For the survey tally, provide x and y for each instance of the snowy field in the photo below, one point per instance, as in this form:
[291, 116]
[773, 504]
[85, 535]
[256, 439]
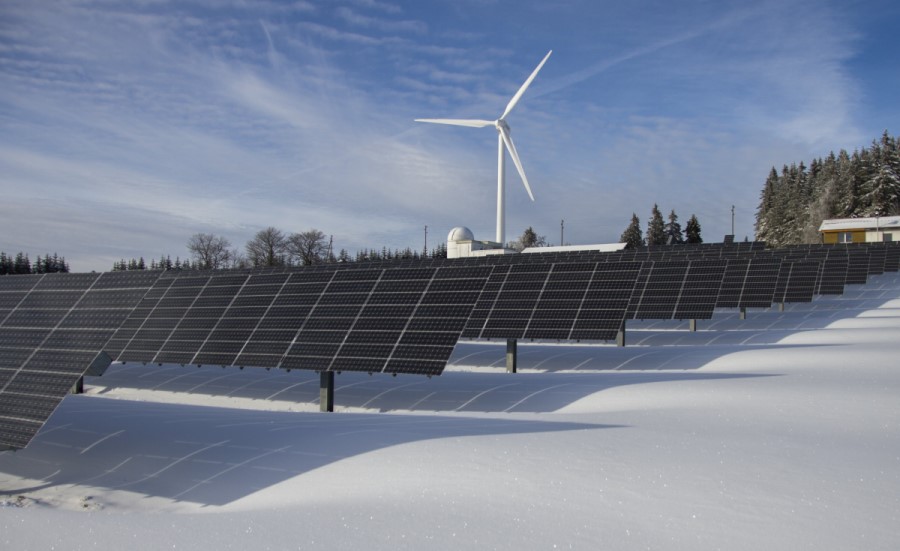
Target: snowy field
[781, 431]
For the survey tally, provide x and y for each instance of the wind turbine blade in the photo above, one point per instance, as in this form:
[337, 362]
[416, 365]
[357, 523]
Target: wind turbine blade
[515, 99]
[459, 122]
[507, 139]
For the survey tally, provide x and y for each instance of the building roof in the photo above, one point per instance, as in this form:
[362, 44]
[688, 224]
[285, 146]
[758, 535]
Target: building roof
[603, 247]
[848, 224]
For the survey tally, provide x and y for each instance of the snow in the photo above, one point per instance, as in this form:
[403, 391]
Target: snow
[781, 431]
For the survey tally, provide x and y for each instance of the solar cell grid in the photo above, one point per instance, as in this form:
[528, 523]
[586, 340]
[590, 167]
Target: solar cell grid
[891, 256]
[857, 265]
[801, 286]
[876, 259]
[834, 273]
[699, 292]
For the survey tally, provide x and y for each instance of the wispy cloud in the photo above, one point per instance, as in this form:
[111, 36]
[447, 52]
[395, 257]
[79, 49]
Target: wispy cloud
[380, 23]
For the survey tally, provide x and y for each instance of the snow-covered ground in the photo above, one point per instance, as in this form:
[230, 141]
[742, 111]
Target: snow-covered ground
[781, 431]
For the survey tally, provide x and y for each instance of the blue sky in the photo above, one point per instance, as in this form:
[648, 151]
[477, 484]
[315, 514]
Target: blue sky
[127, 127]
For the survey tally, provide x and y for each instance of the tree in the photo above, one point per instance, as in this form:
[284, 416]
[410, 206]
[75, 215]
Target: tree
[210, 252]
[766, 205]
[881, 190]
[267, 248]
[21, 265]
[529, 238]
[673, 229]
[309, 247]
[632, 236]
[656, 229]
[440, 251]
[692, 231]
[236, 259]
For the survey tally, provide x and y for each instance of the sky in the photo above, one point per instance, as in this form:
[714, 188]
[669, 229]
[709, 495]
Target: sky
[127, 127]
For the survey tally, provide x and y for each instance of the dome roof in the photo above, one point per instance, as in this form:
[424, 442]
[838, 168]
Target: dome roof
[461, 233]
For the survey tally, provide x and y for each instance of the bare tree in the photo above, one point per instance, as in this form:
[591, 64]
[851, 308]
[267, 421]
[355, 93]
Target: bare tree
[267, 248]
[309, 247]
[236, 259]
[210, 252]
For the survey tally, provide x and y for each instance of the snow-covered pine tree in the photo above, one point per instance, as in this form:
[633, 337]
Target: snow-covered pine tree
[881, 190]
[766, 203]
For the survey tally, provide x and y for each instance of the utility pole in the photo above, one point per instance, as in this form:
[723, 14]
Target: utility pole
[732, 219]
[425, 250]
[562, 227]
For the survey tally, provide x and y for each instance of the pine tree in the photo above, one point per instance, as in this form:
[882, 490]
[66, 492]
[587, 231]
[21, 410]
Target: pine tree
[673, 230]
[692, 231]
[632, 236]
[656, 229]
[766, 202]
[881, 190]
[440, 251]
[22, 264]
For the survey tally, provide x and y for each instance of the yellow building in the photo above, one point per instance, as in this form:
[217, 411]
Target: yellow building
[860, 230]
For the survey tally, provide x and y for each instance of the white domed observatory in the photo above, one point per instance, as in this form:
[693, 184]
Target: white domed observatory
[461, 243]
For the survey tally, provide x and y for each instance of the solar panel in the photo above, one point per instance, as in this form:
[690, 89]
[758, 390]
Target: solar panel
[53, 328]
[834, 272]
[876, 258]
[891, 257]
[797, 281]
[858, 265]
[605, 303]
[396, 320]
[657, 294]
[697, 299]
[560, 301]
[749, 282]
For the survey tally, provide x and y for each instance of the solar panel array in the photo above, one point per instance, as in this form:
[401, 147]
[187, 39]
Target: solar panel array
[392, 317]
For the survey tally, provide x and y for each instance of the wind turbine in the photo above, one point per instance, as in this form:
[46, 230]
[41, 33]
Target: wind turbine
[504, 143]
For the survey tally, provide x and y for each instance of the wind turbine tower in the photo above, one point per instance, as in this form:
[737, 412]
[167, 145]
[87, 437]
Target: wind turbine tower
[504, 144]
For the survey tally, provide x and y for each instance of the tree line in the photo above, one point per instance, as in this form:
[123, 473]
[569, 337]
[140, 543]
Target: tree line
[660, 232]
[270, 247]
[21, 264]
[794, 202]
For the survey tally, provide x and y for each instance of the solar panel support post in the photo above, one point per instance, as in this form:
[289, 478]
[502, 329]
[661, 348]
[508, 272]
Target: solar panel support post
[511, 355]
[78, 387]
[692, 325]
[781, 307]
[743, 314]
[326, 391]
[620, 335]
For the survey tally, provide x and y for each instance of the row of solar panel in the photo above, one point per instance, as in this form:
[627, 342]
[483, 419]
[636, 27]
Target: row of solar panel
[379, 318]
